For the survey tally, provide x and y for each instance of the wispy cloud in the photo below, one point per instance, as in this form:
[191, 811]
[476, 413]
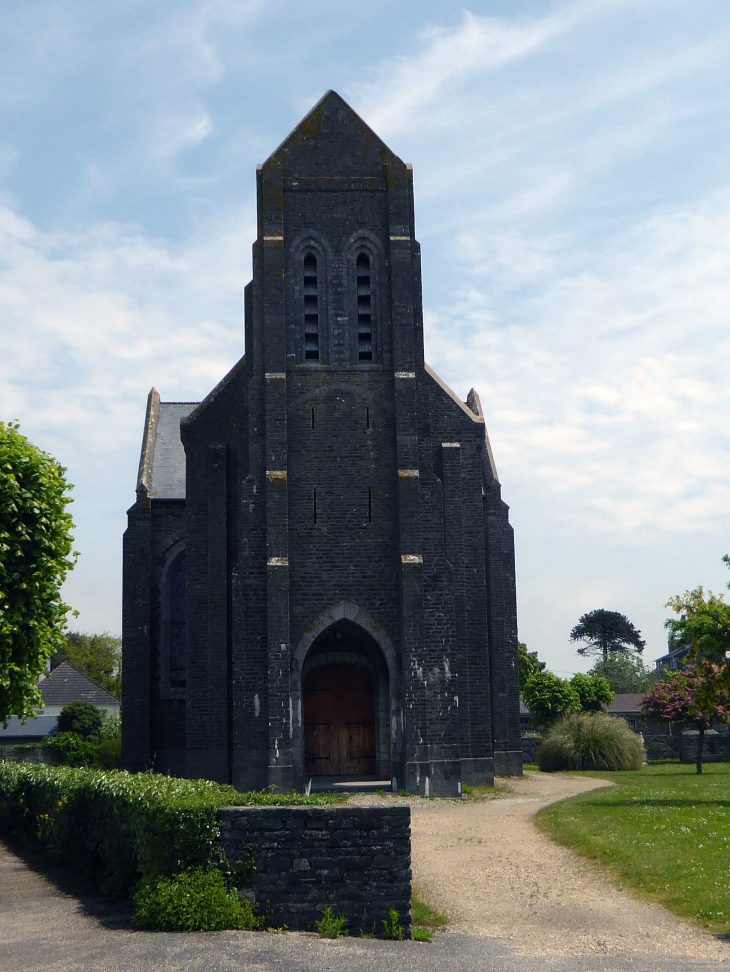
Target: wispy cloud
[411, 87]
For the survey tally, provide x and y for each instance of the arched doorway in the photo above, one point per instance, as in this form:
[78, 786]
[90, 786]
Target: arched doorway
[339, 721]
[342, 706]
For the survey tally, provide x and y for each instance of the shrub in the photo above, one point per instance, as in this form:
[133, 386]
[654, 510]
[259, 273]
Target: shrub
[108, 753]
[331, 925]
[70, 749]
[590, 741]
[594, 692]
[81, 717]
[548, 697]
[196, 900]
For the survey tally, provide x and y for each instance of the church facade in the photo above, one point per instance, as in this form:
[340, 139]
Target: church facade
[319, 568]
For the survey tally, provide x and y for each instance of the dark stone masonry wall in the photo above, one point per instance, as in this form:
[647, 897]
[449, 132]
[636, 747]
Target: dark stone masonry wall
[28, 754]
[356, 860]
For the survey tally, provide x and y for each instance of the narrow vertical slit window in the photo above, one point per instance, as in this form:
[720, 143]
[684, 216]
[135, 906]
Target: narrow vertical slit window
[311, 308]
[314, 506]
[312, 418]
[364, 309]
[370, 506]
[178, 628]
[367, 418]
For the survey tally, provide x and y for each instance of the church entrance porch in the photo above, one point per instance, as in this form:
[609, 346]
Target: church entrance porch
[339, 721]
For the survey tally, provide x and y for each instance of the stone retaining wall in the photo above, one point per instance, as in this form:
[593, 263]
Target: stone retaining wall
[356, 860]
[25, 753]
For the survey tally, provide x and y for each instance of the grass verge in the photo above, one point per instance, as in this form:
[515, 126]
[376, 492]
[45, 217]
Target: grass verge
[501, 788]
[663, 831]
[426, 920]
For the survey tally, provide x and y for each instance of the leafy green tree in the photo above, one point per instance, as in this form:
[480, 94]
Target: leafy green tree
[82, 718]
[593, 691]
[696, 694]
[35, 556]
[606, 633]
[624, 673]
[98, 656]
[548, 697]
[530, 665]
[703, 625]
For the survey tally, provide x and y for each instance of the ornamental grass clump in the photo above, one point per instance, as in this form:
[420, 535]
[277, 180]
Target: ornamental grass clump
[590, 741]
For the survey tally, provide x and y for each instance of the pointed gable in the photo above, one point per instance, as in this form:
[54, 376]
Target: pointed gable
[332, 136]
[65, 684]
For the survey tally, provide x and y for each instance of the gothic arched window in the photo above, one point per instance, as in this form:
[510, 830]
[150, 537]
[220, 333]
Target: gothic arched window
[311, 308]
[364, 309]
[178, 633]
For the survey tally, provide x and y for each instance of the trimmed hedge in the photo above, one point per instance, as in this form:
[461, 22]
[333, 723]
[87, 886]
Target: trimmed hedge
[123, 828]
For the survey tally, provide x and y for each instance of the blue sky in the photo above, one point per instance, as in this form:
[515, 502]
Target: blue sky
[573, 206]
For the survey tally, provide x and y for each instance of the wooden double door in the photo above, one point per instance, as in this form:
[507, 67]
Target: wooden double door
[339, 721]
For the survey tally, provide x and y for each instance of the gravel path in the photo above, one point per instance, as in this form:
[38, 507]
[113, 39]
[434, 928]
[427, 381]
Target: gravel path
[490, 869]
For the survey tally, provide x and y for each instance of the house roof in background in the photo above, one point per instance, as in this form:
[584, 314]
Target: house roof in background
[65, 685]
[43, 725]
[626, 702]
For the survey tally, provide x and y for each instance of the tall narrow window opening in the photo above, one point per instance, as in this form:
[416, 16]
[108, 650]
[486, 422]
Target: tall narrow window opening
[312, 418]
[367, 418]
[370, 506]
[178, 628]
[314, 506]
[311, 309]
[364, 309]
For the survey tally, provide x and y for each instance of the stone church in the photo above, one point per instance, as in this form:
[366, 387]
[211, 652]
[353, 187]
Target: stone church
[319, 568]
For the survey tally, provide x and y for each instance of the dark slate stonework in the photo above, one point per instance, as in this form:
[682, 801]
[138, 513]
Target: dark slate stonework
[355, 860]
[315, 499]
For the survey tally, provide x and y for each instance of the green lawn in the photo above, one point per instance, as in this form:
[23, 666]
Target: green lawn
[664, 831]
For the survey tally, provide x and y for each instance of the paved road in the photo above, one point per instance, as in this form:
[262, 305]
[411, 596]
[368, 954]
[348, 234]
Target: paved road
[51, 922]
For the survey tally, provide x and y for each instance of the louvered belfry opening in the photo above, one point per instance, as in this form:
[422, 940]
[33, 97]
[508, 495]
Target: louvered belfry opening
[364, 309]
[311, 309]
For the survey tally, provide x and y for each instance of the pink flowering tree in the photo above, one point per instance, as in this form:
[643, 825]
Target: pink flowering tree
[696, 695]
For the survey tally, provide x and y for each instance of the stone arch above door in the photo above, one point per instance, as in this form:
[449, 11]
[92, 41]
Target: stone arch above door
[347, 611]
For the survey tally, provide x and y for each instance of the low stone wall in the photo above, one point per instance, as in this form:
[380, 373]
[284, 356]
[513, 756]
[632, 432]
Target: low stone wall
[27, 753]
[715, 749]
[529, 747]
[356, 860]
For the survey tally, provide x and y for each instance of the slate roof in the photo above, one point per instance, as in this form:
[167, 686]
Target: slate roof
[162, 463]
[65, 685]
[43, 725]
[623, 703]
[626, 702]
